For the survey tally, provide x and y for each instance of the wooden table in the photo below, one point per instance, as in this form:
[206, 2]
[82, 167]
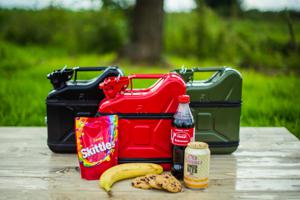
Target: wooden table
[266, 166]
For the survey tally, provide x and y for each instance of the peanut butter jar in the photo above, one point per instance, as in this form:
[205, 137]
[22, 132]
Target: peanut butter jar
[196, 165]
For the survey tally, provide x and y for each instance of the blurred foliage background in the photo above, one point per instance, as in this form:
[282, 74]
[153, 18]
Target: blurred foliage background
[264, 46]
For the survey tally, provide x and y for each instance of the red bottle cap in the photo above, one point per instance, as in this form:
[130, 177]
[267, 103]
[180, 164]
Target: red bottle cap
[184, 99]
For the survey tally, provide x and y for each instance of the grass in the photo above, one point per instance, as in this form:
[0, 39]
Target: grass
[261, 42]
[250, 40]
[268, 100]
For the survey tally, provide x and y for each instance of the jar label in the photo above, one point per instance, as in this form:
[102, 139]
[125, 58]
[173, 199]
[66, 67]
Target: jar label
[181, 136]
[196, 170]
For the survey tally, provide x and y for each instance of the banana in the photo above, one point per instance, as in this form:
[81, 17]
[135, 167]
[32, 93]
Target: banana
[125, 171]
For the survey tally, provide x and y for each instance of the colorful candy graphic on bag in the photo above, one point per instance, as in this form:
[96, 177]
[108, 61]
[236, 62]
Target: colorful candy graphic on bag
[96, 140]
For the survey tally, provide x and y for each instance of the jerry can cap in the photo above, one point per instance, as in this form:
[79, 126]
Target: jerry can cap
[184, 99]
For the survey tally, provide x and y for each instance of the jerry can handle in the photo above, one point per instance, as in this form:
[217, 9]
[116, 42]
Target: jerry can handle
[87, 69]
[218, 70]
[144, 76]
[208, 69]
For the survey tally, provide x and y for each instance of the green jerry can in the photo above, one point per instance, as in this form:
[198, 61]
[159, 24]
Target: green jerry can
[216, 106]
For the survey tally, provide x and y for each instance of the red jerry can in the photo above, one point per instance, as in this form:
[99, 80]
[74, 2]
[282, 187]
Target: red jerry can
[145, 115]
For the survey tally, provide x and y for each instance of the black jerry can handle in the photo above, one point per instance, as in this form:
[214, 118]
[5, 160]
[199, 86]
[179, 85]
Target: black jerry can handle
[87, 69]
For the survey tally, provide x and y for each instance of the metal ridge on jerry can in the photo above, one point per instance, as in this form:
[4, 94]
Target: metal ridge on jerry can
[216, 106]
[70, 99]
[145, 115]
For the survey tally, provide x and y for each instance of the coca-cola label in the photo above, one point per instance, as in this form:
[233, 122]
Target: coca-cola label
[181, 136]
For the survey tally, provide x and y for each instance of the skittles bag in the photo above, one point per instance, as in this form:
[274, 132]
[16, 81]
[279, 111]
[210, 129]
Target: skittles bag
[97, 144]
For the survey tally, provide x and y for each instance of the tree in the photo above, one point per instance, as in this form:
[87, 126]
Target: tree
[146, 33]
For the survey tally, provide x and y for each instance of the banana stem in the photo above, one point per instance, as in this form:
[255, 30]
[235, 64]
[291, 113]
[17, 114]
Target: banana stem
[109, 193]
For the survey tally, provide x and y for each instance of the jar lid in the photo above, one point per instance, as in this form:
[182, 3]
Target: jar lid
[198, 145]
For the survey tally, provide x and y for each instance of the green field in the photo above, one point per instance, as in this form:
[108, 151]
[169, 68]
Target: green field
[268, 100]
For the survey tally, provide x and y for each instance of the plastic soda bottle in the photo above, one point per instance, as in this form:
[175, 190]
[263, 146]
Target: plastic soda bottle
[182, 133]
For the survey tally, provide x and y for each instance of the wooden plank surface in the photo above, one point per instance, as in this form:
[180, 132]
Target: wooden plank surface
[265, 166]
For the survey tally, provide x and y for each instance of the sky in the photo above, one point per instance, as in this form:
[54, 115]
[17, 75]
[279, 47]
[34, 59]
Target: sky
[169, 5]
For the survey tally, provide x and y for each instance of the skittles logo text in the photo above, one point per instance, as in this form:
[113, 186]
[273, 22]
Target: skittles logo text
[97, 148]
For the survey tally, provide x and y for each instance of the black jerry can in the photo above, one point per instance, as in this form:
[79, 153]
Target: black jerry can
[72, 98]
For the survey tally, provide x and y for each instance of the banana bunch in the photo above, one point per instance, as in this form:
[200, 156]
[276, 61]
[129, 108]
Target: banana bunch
[125, 171]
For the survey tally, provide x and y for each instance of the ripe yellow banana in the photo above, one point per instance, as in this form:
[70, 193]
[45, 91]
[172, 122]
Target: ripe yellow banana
[125, 171]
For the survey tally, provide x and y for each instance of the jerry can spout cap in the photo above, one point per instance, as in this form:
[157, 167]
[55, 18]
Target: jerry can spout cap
[114, 85]
[58, 78]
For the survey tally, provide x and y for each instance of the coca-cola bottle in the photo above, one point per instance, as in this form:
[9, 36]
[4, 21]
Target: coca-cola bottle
[182, 132]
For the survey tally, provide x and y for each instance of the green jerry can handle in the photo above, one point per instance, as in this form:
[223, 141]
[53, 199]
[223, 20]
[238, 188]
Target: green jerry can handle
[218, 70]
[188, 74]
[208, 69]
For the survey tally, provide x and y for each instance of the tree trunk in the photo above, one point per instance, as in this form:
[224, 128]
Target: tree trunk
[146, 32]
[292, 44]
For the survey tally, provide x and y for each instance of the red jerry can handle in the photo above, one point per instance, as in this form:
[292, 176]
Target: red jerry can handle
[144, 76]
